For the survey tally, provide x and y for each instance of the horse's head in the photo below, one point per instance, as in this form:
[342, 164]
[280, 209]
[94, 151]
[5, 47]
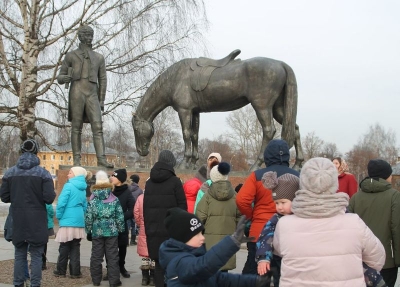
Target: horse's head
[144, 131]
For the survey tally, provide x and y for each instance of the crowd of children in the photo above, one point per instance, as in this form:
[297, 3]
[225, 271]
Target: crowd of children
[310, 240]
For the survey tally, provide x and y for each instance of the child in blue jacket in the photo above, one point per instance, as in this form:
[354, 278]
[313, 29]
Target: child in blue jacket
[186, 261]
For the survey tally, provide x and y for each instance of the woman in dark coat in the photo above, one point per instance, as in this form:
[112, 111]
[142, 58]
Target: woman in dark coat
[127, 201]
[163, 191]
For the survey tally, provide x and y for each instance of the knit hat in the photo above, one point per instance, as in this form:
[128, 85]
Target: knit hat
[220, 172]
[182, 225]
[166, 156]
[78, 170]
[135, 178]
[30, 145]
[102, 177]
[283, 187]
[215, 154]
[120, 174]
[320, 176]
[379, 168]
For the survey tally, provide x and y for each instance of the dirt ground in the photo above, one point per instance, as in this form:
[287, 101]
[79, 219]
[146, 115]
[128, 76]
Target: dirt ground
[48, 279]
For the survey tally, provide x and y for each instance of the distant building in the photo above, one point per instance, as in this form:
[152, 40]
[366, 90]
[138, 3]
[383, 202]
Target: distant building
[51, 160]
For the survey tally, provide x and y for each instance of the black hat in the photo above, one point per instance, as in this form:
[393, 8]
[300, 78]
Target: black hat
[166, 156]
[182, 225]
[135, 178]
[30, 145]
[378, 168]
[120, 174]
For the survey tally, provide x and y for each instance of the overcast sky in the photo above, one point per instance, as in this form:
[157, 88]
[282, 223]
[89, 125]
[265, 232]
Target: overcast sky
[345, 54]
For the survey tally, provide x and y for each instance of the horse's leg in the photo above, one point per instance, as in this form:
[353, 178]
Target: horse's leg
[195, 138]
[299, 150]
[264, 115]
[185, 119]
[278, 115]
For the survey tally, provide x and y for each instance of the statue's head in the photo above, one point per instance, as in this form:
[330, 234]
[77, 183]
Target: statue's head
[144, 131]
[85, 34]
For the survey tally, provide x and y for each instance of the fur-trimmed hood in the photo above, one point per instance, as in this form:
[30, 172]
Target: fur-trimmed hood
[101, 186]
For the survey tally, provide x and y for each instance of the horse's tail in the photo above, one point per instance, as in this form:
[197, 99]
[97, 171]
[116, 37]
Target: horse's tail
[289, 106]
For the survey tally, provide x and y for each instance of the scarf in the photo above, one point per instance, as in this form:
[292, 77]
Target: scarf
[343, 167]
[308, 204]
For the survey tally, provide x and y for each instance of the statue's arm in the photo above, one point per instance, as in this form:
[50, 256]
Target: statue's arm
[102, 76]
[61, 79]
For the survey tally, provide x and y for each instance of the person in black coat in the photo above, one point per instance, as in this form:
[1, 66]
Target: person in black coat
[163, 191]
[28, 187]
[127, 201]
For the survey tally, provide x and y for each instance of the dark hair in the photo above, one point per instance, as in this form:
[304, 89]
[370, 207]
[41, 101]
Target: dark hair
[238, 187]
[339, 159]
[135, 178]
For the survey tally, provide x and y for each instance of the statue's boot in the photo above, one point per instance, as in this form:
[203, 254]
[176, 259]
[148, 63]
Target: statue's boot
[99, 146]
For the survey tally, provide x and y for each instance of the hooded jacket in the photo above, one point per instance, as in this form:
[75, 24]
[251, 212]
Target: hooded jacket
[191, 188]
[188, 266]
[72, 203]
[127, 203]
[218, 212]
[104, 216]
[276, 158]
[378, 204]
[163, 191]
[28, 187]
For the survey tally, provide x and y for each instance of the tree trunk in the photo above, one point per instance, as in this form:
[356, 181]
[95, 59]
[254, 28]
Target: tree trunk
[27, 93]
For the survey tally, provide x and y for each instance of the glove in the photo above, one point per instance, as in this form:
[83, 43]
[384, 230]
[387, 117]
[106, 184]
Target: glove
[89, 236]
[262, 281]
[239, 236]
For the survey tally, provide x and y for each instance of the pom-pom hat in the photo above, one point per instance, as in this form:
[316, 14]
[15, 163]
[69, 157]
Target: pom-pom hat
[283, 187]
[182, 225]
[220, 172]
[30, 146]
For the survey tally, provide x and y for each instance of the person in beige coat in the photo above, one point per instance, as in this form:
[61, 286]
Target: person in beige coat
[320, 244]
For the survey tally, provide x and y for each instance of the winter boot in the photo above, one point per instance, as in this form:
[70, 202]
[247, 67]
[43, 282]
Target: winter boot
[151, 280]
[145, 277]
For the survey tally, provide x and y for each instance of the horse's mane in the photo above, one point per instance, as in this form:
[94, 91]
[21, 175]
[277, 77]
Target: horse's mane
[168, 74]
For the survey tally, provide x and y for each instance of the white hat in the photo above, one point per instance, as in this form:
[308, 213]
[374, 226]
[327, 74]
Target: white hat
[220, 172]
[215, 154]
[320, 176]
[102, 177]
[78, 170]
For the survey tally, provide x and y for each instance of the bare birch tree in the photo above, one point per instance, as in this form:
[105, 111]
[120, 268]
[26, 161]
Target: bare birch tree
[138, 39]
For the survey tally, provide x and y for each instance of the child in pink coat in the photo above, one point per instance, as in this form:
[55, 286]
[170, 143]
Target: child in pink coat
[148, 265]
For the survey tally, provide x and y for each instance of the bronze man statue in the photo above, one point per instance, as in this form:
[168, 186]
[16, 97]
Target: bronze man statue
[86, 71]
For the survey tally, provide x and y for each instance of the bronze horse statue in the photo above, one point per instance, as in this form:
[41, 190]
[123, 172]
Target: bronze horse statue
[201, 85]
